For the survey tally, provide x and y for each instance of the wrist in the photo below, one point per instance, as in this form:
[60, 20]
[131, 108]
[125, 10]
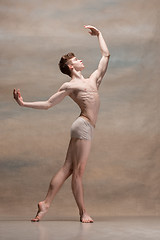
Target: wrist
[21, 104]
[99, 33]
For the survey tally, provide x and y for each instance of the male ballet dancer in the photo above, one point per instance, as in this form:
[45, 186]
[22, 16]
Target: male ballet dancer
[84, 92]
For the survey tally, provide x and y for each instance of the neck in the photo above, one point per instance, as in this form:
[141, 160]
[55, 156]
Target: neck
[77, 75]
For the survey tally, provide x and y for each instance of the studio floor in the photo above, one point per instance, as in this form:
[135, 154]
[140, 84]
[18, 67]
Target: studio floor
[111, 228]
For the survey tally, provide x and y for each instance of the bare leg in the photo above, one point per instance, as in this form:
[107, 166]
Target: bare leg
[80, 150]
[75, 163]
[55, 185]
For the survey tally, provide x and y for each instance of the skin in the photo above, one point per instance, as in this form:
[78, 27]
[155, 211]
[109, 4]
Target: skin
[84, 92]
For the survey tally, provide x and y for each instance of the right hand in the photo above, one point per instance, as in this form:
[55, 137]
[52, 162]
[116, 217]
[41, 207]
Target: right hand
[17, 96]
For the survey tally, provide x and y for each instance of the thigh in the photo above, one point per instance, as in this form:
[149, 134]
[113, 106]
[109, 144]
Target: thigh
[80, 152]
[68, 160]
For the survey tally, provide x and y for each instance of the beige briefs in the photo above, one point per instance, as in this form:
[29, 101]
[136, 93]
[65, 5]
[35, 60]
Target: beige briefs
[82, 129]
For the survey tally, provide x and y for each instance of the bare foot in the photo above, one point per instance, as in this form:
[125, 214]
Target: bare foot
[85, 218]
[42, 210]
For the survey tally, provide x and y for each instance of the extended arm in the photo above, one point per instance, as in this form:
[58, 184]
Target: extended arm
[52, 101]
[103, 64]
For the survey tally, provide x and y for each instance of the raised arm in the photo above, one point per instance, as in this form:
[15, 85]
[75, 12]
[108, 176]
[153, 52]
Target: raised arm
[52, 101]
[103, 64]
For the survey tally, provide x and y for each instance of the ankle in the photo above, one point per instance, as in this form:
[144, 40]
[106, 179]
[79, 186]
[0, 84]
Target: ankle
[47, 205]
[82, 211]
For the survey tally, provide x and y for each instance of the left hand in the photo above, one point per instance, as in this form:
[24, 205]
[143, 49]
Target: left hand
[93, 31]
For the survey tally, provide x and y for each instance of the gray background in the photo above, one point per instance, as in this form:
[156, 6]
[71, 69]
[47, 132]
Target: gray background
[122, 175]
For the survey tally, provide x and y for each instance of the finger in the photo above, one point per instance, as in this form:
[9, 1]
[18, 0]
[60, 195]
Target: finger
[88, 26]
[19, 94]
[14, 92]
[90, 30]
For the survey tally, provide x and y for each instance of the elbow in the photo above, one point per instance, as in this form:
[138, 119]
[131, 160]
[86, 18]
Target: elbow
[107, 55]
[47, 105]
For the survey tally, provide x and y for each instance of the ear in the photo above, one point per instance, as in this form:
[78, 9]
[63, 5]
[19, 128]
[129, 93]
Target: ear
[70, 66]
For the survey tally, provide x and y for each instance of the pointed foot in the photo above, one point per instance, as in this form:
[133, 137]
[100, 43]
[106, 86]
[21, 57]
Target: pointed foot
[42, 210]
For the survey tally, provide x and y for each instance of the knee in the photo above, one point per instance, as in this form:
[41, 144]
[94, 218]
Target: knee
[68, 170]
[78, 172]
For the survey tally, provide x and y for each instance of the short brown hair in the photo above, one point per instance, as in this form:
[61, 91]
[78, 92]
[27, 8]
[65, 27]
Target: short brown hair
[63, 63]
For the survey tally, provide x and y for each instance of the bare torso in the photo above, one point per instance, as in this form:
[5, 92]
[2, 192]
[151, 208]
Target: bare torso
[85, 94]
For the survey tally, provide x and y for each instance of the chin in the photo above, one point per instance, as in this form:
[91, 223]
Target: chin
[80, 68]
[83, 67]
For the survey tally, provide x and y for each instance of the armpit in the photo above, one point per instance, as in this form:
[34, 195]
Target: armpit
[65, 86]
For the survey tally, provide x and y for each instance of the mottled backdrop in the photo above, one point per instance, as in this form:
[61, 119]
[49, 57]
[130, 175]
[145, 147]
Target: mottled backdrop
[123, 172]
